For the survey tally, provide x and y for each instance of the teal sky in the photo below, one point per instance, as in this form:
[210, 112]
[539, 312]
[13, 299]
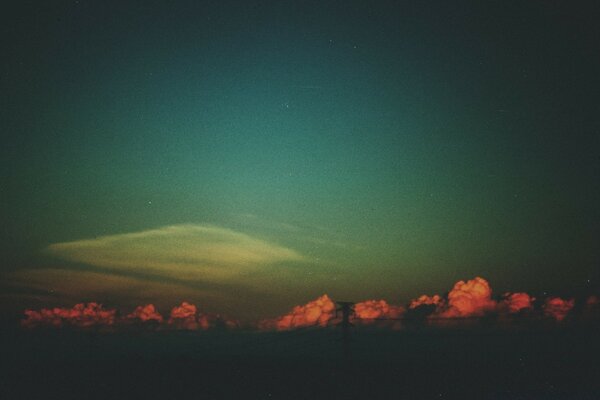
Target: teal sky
[367, 149]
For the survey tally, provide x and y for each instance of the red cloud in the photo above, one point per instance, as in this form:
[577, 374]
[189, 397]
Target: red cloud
[81, 315]
[558, 308]
[515, 302]
[316, 312]
[146, 313]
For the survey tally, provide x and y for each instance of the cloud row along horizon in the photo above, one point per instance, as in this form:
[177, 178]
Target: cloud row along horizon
[466, 300]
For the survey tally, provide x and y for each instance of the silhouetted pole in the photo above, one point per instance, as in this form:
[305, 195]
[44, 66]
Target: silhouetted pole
[347, 309]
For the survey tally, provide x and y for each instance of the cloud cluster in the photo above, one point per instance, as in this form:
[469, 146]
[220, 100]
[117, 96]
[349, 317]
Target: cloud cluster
[314, 313]
[321, 311]
[81, 315]
[184, 316]
[472, 298]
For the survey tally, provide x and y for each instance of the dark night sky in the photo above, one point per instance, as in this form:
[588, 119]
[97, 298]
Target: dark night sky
[257, 154]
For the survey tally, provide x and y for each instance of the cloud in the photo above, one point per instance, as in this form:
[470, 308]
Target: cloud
[435, 300]
[81, 316]
[186, 252]
[321, 311]
[146, 313]
[370, 311]
[558, 308]
[472, 298]
[314, 313]
[373, 309]
[184, 316]
[516, 302]
[469, 299]
[68, 286]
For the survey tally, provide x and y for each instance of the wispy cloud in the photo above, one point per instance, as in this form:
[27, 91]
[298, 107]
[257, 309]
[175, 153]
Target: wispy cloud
[69, 285]
[185, 252]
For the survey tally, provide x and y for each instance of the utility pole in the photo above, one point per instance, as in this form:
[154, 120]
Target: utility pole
[347, 310]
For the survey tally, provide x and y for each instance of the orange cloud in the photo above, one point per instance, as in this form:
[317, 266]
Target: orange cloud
[558, 308]
[515, 302]
[469, 299]
[373, 309]
[81, 315]
[184, 316]
[316, 312]
[426, 300]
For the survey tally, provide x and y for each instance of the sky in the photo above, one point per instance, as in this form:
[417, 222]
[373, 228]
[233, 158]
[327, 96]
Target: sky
[249, 156]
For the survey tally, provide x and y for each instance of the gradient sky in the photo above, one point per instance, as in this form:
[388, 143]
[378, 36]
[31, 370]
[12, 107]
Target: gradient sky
[250, 156]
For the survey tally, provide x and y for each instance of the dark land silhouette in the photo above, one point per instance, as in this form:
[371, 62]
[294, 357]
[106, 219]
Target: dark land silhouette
[538, 360]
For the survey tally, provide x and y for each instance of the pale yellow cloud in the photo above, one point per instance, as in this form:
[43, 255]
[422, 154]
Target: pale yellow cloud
[185, 252]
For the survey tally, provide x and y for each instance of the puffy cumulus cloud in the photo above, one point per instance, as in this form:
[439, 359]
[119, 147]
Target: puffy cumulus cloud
[558, 308]
[469, 299]
[146, 313]
[186, 252]
[373, 309]
[516, 302]
[184, 316]
[370, 311]
[317, 312]
[423, 300]
[81, 316]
